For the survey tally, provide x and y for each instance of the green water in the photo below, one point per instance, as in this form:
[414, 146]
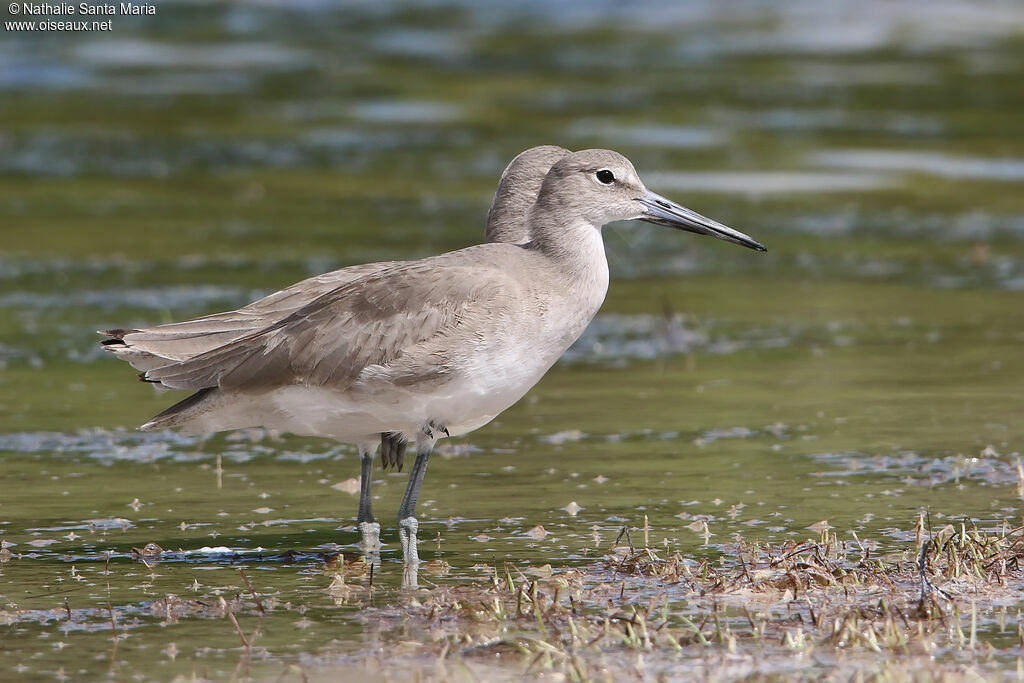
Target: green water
[191, 162]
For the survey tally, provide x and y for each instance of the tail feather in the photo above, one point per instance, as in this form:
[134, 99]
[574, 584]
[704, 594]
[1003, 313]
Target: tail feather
[117, 334]
[156, 347]
[182, 411]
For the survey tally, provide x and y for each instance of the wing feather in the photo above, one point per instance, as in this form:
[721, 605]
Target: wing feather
[372, 322]
[163, 344]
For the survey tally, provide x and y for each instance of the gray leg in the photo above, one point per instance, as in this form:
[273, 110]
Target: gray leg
[368, 526]
[365, 484]
[407, 522]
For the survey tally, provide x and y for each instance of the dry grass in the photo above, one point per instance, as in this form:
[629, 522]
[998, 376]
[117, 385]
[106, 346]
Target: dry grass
[819, 608]
[948, 606]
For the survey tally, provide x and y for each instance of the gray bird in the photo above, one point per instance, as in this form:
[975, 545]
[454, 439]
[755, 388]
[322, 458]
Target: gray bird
[434, 347]
[154, 347]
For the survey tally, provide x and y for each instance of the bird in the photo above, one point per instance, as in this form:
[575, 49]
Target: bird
[435, 347]
[154, 347]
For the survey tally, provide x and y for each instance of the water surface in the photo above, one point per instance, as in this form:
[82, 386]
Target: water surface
[867, 367]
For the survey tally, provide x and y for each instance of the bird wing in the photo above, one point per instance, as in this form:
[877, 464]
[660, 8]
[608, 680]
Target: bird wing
[374, 321]
[164, 344]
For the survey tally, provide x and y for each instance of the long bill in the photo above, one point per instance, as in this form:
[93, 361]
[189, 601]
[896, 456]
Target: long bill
[662, 211]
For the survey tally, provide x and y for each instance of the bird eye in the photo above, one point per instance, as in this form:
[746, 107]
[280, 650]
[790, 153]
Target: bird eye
[605, 176]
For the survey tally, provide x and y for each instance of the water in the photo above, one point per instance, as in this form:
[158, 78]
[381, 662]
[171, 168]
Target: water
[865, 368]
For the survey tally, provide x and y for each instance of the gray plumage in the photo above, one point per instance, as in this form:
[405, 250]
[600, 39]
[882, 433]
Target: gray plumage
[153, 347]
[377, 319]
[417, 349]
[412, 327]
[517, 191]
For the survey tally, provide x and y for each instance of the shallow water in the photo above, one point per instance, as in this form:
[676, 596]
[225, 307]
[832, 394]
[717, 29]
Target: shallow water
[867, 367]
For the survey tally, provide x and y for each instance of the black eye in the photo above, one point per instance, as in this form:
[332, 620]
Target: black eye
[606, 176]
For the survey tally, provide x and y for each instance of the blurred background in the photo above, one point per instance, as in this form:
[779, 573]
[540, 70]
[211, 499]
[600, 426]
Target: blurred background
[866, 367]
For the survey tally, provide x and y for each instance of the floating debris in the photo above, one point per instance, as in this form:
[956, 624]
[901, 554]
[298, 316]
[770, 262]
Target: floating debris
[820, 527]
[350, 485]
[559, 438]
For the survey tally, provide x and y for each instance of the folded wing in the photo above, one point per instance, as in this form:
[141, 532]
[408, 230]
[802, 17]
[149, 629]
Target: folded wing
[387, 320]
[153, 347]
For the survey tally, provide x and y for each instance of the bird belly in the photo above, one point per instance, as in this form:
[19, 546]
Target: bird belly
[477, 384]
[478, 391]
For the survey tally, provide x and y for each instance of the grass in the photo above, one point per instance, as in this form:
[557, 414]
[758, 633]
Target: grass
[946, 607]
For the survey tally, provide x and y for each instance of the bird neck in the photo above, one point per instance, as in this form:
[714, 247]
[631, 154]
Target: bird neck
[574, 248]
[506, 220]
[506, 224]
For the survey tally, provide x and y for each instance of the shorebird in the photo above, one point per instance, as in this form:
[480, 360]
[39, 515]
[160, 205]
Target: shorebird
[438, 346]
[153, 347]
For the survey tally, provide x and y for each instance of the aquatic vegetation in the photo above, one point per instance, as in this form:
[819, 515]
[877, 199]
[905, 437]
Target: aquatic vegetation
[650, 613]
[949, 598]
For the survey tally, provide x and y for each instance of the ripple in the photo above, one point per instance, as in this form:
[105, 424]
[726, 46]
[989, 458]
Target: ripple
[150, 298]
[756, 183]
[139, 53]
[407, 111]
[422, 43]
[113, 445]
[651, 135]
[65, 153]
[1008, 169]
[614, 337]
[917, 469]
[20, 73]
[803, 120]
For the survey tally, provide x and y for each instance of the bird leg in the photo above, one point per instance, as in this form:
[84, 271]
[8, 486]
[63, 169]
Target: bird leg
[369, 528]
[407, 522]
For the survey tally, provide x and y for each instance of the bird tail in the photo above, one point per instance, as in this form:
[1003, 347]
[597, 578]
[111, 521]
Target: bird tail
[183, 412]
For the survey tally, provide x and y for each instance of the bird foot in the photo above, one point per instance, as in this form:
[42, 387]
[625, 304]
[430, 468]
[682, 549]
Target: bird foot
[370, 532]
[392, 450]
[370, 542]
[410, 577]
[428, 429]
[407, 530]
